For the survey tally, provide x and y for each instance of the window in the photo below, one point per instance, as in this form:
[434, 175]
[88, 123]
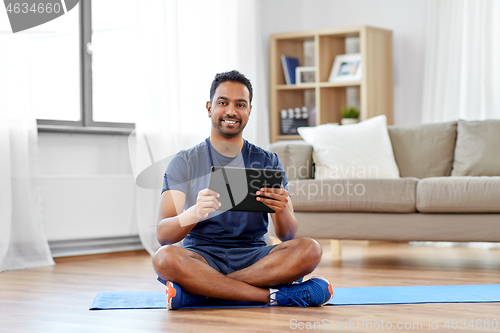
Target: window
[85, 82]
[54, 67]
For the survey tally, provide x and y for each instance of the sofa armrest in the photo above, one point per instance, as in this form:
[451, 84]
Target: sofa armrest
[296, 158]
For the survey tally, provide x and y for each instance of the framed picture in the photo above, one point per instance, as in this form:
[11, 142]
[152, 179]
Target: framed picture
[305, 74]
[346, 67]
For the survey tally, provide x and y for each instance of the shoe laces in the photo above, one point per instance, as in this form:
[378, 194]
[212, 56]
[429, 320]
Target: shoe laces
[297, 296]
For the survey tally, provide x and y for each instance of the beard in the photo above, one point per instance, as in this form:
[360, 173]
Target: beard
[228, 131]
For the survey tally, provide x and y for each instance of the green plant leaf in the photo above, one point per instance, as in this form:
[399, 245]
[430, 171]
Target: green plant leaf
[350, 112]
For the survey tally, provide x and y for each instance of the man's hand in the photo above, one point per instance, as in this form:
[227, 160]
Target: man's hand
[280, 196]
[206, 203]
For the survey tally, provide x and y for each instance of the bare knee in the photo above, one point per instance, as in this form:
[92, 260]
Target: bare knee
[310, 251]
[166, 261]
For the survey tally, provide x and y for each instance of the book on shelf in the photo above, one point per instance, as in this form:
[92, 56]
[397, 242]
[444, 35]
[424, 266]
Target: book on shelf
[289, 64]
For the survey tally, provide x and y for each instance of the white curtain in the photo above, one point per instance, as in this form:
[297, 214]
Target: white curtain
[23, 243]
[180, 46]
[462, 67]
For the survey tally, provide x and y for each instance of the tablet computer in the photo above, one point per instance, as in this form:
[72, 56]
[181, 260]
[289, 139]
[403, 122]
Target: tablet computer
[238, 186]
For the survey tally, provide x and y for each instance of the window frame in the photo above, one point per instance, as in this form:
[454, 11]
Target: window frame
[86, 124]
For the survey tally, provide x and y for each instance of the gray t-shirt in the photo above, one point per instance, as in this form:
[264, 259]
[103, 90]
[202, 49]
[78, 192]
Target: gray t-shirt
[189, 172]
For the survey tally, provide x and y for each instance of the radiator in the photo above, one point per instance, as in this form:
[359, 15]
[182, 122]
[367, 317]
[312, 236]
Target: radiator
[89, 212]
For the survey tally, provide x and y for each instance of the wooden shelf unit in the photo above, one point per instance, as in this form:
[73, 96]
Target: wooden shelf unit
[376, 85]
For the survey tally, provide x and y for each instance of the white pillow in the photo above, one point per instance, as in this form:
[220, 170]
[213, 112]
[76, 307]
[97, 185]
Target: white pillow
[362, 150]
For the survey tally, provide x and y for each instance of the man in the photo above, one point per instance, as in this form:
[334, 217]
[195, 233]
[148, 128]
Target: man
[225, 255]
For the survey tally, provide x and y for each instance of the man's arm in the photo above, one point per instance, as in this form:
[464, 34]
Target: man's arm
[285, 223]
[173, 223]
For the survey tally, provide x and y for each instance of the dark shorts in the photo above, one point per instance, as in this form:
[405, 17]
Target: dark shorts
[228, 260]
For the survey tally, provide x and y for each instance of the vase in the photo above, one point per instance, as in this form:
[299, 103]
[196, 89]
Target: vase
[349, 121]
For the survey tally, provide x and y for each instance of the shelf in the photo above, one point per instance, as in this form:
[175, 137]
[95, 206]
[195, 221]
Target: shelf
[309, 34]
[296, 86]
[339, 84]
[373, 94]
[314, 85]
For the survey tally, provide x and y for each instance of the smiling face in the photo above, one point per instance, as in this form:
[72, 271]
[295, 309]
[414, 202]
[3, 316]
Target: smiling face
[229, 109]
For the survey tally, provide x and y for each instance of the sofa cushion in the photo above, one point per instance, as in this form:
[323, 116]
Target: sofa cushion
[459, 195]
[354, 195]
[425, 150]
[296, 158]
[360, 150]
[477, 152]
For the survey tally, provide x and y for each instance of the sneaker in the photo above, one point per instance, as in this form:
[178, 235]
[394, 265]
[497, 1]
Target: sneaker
[314, 292]
[177, 298]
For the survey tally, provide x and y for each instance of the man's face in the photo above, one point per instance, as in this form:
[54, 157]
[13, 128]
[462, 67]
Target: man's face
[230, 108]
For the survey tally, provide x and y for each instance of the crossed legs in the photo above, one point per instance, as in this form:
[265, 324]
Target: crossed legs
[285, 263]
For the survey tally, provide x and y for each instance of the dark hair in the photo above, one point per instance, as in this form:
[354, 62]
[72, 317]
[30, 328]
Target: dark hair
[233, 76]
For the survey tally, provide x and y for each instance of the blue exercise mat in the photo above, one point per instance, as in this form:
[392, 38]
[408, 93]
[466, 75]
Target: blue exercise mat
[414, 295]
[154, 300]
[342, 296]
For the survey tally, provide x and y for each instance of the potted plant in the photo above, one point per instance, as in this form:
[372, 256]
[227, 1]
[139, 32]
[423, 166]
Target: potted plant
[350, 115]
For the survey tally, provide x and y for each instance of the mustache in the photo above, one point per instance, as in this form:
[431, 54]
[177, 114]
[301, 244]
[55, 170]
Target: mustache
[231, 118]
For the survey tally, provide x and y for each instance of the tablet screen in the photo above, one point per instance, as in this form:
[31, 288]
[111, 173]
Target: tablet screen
[238, 186]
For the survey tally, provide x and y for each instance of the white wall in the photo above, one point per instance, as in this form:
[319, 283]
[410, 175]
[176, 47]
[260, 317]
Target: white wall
[406, 18]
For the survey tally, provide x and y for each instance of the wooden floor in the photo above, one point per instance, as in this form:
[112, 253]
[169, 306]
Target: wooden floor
[56, 299]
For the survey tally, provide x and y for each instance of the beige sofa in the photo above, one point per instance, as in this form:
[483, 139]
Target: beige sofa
[449, 188]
